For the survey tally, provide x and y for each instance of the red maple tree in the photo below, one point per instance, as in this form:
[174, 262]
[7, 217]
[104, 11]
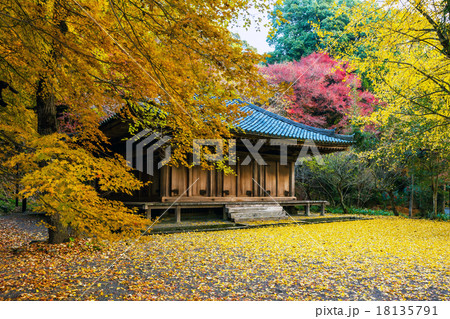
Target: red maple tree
[320, 91]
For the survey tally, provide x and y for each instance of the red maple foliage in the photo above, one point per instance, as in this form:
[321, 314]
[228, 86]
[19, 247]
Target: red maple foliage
[323, 92]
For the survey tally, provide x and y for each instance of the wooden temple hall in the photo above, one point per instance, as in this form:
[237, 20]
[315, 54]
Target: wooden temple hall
[261, 188]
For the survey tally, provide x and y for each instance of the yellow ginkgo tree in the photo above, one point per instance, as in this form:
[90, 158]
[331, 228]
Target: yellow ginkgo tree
[403, 49]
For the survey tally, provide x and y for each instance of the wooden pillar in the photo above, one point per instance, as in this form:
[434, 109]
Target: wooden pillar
[277, 179]
[165, 181]
[178, 214]
[307, 210]
[292, 178]
[189, 181]
[238, 172]
[148, 211]
[322, 211]
[255, 188]
[224, 210]
[209, 182]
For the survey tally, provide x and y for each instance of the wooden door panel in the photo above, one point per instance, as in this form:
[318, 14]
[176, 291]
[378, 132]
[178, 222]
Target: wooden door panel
[229, 184]
[201, 187]
[283, 181]
[245, 180]
[271, 179]
[178, 183]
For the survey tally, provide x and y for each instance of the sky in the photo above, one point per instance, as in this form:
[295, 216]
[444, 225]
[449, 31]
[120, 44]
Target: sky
[256, 38]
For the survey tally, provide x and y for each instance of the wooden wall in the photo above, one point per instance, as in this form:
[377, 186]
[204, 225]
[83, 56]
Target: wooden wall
[250, 183]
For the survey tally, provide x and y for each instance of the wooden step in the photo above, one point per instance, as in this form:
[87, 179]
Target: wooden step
[257, 214]
[251, 208]
[239, 213]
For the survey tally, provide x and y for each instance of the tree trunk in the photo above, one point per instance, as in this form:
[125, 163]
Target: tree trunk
[434, 188]
[46, 110]
[443, 199]
[358, 201]
[17, 186]
[47, 124]
[17, 195]
[308, 193]
[411, 198]
[341, 201]
[24, 205]
[394, 209]
[58, 233]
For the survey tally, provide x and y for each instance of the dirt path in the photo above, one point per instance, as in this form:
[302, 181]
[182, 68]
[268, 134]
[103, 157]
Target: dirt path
[30, 224]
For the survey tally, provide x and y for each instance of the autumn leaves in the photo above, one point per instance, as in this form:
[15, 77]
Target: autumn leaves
[380, 259]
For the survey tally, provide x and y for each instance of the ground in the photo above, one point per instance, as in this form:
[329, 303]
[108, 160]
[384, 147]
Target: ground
[377, 259]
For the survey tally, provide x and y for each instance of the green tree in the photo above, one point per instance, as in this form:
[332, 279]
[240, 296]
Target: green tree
[337, 176]
[430, 170]
[296, 33]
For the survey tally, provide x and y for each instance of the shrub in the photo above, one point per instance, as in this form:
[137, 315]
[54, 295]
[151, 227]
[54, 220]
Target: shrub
[444, 217]
[360, 211]
[7, 205]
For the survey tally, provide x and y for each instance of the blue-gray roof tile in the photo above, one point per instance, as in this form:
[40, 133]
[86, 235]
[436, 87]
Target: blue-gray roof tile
[262, 122]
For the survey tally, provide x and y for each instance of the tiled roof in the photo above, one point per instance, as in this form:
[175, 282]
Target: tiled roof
[265, 123]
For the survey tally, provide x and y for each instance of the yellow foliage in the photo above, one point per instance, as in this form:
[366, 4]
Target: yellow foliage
[95, 58]
[379, 259]
[402, 48]
[72, 184]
